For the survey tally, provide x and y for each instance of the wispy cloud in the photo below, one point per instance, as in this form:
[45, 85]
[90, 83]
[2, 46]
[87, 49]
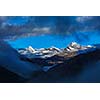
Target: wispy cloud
[82, 19]
[42, 30]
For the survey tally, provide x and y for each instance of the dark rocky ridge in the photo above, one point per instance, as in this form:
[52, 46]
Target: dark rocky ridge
[74, 66]
[70, 70]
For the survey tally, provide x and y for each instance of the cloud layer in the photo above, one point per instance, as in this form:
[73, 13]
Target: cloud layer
[12, 27]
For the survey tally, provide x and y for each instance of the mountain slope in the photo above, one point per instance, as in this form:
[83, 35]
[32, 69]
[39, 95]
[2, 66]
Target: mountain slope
[10, 60]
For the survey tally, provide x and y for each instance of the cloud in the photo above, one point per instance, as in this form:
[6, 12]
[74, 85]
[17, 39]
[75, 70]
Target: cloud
[82, 19]
[13, 27]
[42, 30]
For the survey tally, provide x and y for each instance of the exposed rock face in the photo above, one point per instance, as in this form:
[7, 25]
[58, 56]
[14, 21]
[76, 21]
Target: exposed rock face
[49, 52]
[52, 56]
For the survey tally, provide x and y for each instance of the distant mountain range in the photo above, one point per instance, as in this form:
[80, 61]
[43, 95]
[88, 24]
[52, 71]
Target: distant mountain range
[65, 66]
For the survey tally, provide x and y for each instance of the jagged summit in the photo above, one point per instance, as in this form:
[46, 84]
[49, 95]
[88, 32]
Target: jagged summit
[73, 47]
[50, 57]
